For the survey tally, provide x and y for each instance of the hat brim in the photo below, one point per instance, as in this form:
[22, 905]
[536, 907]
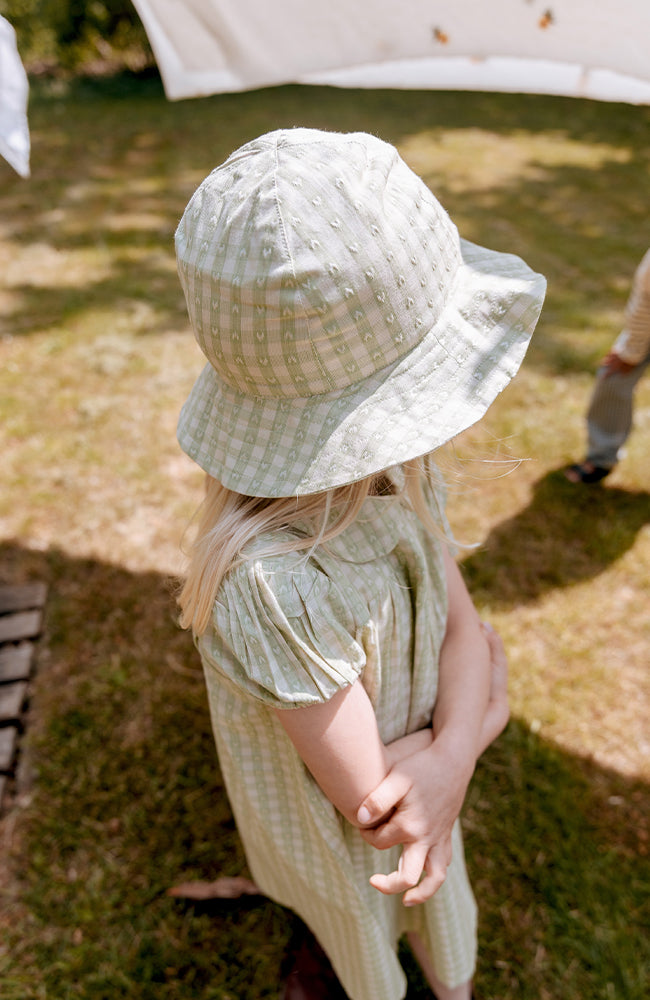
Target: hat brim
[279, 447]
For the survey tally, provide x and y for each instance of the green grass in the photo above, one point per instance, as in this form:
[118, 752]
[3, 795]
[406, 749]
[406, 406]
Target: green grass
[95, 361]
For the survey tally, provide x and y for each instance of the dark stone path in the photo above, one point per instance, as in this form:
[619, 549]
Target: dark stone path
[21, 619]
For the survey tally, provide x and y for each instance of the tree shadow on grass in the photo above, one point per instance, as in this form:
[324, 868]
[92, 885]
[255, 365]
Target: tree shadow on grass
[567, 534]
[128, 801]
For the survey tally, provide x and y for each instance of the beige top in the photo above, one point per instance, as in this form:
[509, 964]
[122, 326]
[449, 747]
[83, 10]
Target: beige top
[292, 630]
[633, 343]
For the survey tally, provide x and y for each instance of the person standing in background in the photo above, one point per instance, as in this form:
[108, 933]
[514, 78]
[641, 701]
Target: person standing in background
[609, 417]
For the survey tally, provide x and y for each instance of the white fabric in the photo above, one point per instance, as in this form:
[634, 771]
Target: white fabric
[14, 130]
[574, 47]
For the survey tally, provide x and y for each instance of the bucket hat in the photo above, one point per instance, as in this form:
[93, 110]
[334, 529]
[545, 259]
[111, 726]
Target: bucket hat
[346, 326]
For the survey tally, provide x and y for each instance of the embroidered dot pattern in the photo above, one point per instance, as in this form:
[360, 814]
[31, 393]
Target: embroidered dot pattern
[293, 631]
[326, 284]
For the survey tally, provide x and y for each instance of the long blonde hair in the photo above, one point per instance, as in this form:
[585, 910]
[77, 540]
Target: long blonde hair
[230, 521]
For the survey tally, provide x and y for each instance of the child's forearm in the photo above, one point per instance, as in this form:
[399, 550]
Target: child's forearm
[495, 720]
[462, 703]
[458, 722]
[407, 745]
[420, 800]
[464, 676]
[339, 742]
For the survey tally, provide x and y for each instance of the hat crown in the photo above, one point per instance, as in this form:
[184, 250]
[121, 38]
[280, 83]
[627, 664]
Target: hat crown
[311, 261]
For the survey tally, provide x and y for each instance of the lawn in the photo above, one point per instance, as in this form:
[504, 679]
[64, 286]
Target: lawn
[95, 361]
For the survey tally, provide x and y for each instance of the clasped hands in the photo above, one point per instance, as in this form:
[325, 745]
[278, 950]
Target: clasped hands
[418, 802]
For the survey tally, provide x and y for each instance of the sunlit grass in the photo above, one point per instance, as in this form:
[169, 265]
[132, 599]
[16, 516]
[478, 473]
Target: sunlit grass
[95, 361]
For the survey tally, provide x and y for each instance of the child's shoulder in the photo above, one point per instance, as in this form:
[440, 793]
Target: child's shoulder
[290, 581]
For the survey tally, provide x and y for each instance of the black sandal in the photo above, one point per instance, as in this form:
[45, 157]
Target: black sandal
[580, 474]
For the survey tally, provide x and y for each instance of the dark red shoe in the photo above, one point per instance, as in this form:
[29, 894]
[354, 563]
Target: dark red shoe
[585, 473]
[307, 971]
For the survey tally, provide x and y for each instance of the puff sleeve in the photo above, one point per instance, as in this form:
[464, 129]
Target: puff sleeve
[284, 633]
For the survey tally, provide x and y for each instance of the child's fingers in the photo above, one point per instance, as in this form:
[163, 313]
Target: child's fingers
[388, 834]
[498, 659]
[409, 870]
[435, 866]
[495, 642]
[383, 800]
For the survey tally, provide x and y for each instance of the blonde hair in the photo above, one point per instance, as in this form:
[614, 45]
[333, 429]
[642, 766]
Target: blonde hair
[228, 522]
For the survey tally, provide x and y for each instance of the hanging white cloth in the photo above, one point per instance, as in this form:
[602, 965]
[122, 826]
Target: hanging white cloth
[14, 89]
[572, 47]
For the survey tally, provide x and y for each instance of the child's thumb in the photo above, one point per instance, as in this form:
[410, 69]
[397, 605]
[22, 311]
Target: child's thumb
[381, 802]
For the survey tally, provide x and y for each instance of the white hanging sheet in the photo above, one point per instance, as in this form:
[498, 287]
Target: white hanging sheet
[14, 130]
[580, 48]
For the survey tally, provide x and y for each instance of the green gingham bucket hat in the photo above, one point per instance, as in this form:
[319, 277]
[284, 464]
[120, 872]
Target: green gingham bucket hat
[346, 326]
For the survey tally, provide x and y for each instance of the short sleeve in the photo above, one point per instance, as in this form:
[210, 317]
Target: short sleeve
[283, 632]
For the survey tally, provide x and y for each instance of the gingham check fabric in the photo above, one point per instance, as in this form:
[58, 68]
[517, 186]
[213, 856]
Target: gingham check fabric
[291, 632]
[327, 288]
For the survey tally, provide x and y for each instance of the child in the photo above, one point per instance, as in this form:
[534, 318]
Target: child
[349, 333]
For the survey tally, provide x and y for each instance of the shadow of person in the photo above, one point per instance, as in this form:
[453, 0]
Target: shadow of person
[566, 534]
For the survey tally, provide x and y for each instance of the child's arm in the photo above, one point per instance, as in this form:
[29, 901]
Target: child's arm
[423, 794]
[494, 721]
[339, 739]
[339, 742]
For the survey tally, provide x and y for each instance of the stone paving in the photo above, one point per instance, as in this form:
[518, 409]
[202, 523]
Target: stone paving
[21, 620]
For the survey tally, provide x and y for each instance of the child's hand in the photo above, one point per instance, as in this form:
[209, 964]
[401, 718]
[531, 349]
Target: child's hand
[416, 805]
[612, 364]
[420, 799]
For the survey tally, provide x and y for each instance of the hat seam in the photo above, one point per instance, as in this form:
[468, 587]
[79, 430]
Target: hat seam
[299, 295]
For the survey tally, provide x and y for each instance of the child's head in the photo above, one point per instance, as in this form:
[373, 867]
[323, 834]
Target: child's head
[347, 327]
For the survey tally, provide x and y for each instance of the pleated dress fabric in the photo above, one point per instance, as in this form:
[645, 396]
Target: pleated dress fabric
[292, 630]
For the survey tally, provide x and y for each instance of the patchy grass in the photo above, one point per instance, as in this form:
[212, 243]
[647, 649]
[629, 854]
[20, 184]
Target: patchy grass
[95, 361]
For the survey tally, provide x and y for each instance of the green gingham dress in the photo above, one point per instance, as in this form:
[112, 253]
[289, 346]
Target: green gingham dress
[291, 630]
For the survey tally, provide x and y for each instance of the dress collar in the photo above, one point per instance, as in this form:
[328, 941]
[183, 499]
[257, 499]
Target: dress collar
[380, 526]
